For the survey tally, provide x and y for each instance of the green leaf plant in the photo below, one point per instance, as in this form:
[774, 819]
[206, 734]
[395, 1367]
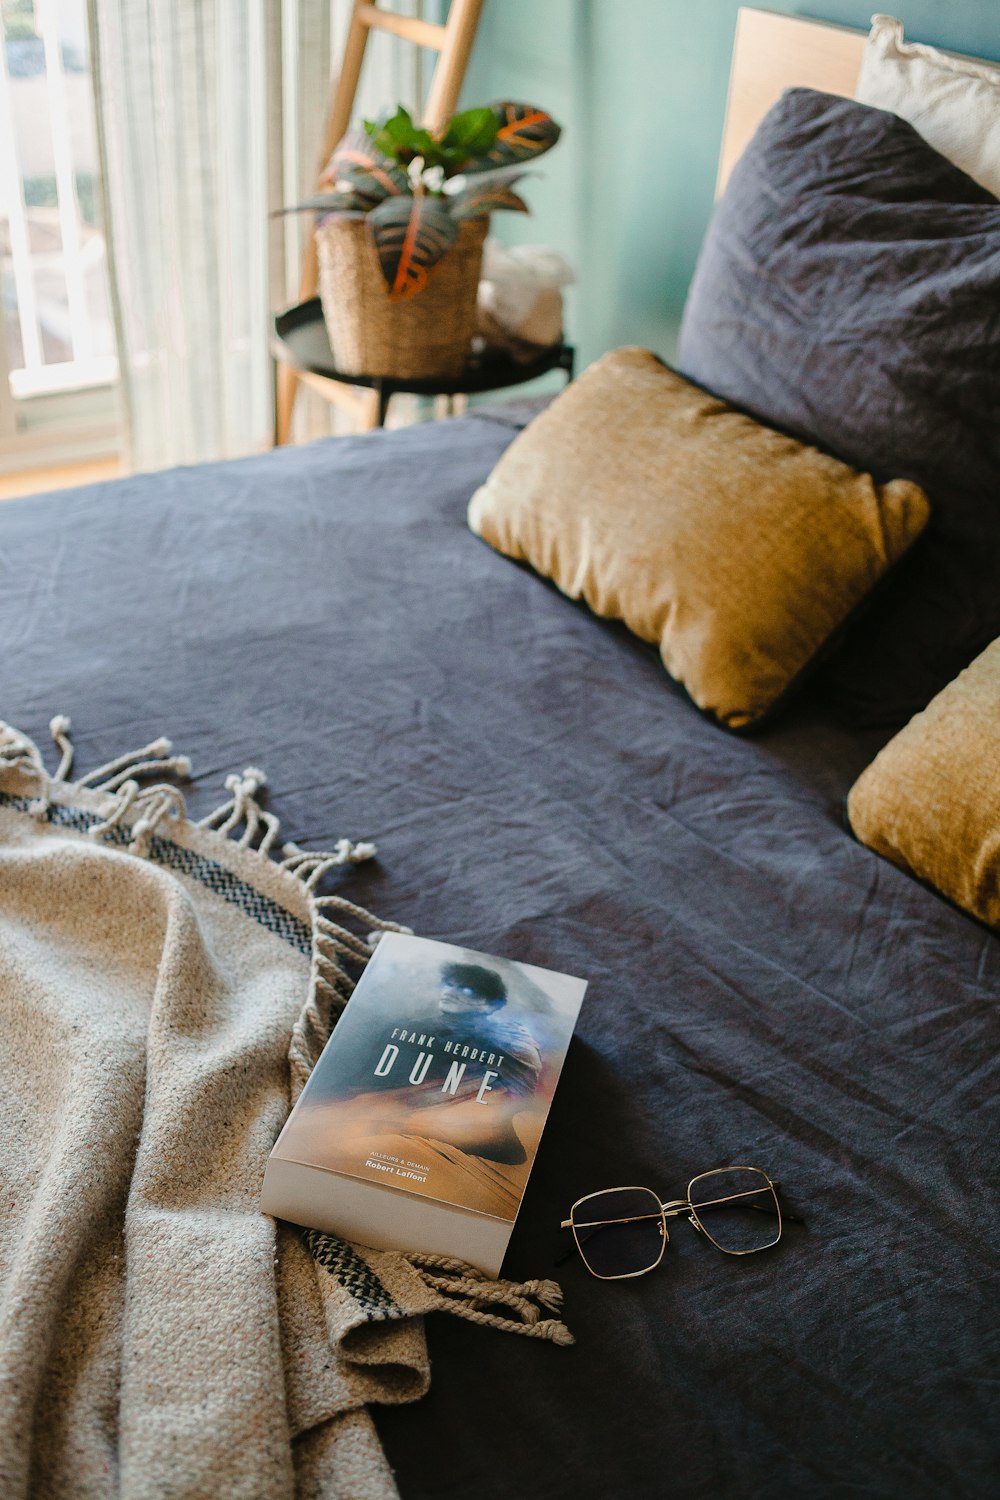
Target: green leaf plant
[414, 189]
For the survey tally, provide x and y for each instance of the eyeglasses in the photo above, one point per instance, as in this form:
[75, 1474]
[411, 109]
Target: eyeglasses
[622, 1232]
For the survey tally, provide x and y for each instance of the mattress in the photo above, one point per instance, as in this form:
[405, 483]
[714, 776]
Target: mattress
[763, 989]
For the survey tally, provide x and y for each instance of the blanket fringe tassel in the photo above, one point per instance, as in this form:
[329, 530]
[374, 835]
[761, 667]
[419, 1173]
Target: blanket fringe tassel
[120, 777]
[467, 1293]
[252, 827]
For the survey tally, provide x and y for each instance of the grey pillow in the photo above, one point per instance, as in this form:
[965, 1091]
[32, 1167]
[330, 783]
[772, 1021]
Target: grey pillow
[848, 291]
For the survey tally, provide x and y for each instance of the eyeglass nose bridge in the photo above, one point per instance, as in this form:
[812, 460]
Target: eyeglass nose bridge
[678, 1206]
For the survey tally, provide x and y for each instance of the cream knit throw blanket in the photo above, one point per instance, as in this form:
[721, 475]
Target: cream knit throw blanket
[165, 989]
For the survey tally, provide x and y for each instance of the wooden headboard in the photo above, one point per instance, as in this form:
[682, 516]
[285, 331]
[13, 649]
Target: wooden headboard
[772, 53]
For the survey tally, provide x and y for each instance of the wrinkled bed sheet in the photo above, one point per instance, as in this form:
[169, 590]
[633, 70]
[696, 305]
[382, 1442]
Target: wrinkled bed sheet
[763, 990]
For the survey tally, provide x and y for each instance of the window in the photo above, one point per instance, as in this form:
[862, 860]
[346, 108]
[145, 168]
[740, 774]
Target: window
[57, 359]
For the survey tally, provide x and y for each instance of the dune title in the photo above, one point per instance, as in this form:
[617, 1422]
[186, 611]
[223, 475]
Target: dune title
[461, 1056]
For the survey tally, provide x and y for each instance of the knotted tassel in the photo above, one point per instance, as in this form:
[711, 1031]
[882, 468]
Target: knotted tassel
[468, 1293]
[59, 729]
[310, 865]
[20, 753]
[154, 758]
[17, 750]
[126, 795]
[158, 802]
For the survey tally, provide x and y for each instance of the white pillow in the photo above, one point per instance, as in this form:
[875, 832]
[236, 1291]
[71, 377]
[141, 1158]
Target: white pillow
[952, 101]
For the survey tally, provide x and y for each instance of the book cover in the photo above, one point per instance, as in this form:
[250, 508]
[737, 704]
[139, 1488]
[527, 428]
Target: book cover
[435, 1085]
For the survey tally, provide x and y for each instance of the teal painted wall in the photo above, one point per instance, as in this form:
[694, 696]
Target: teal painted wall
[639, 87]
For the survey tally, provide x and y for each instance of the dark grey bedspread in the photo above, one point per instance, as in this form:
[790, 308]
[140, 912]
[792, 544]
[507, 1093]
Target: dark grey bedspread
[763, 989]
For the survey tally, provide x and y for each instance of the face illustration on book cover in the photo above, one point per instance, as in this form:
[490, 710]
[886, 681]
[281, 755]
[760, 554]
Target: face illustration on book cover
[440, 1075]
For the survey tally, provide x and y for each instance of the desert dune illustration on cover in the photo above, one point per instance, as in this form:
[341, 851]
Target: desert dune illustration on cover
[439, 1075]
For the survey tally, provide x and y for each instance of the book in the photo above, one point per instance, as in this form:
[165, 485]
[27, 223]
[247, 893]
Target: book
[420, 1122]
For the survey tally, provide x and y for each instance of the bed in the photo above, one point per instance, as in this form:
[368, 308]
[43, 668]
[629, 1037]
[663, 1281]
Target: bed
[763, 988]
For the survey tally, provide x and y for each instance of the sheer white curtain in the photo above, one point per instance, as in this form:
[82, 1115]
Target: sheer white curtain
[210, 113]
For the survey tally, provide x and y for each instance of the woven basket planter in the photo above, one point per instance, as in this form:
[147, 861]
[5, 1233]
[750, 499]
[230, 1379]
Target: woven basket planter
[425, 337]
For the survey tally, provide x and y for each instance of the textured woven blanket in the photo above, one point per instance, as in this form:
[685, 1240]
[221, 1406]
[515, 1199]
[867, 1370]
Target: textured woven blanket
[165, 989]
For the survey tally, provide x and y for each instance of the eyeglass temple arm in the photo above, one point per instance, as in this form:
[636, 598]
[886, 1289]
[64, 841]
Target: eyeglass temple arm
[785, 1214]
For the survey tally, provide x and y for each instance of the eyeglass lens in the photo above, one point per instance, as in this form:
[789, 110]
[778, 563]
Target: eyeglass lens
[620, 1232]
[737, 1208]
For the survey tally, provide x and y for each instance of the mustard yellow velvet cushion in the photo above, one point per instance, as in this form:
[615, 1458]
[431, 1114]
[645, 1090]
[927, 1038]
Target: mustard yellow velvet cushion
[930, 801]
[736, 550]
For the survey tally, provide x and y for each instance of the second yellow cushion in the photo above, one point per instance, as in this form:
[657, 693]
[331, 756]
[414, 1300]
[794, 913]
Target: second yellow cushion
[930, 800]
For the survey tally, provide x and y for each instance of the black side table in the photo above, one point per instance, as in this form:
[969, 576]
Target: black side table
[300, 340]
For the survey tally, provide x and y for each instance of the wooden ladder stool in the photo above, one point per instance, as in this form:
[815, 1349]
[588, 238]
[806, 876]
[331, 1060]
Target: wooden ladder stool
[452, 41]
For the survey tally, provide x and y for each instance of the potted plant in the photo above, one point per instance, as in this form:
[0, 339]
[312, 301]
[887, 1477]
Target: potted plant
[403, 217]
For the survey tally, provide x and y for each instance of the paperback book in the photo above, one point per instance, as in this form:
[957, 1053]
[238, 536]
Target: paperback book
[419, 1125]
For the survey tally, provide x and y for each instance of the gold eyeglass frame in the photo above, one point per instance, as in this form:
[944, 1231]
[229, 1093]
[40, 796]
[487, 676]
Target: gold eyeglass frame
[670, 1210]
